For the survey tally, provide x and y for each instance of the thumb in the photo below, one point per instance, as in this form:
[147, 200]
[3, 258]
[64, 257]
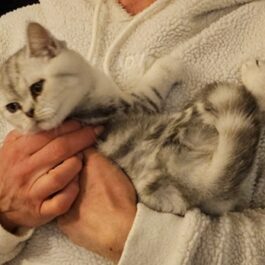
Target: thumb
[95, 166]
[91, 155]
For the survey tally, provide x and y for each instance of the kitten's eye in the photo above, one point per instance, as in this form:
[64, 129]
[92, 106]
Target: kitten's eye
[13, 107]
[36, 88]
[257, 62]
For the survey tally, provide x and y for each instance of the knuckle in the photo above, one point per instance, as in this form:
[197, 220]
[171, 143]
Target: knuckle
[33, 207]
[31, 201]
[57, 181]
[16, 156]
[17, 177]
[14, 150]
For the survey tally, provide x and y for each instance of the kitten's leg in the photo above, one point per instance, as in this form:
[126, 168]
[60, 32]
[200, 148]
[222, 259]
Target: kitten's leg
[148, 94]
[158, 81]
[233, 111]
[105, 100]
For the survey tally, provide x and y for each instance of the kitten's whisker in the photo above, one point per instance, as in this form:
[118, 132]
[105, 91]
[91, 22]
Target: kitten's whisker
[45, 113]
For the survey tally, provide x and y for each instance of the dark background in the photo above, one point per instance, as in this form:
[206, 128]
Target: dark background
[9, 5]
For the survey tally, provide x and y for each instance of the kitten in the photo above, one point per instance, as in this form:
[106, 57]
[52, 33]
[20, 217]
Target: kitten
[196, 158]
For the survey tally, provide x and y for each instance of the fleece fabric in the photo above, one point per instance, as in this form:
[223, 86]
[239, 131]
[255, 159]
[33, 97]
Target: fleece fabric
[212, 38]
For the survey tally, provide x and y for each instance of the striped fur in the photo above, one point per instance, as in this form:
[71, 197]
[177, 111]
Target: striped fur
[196, 158]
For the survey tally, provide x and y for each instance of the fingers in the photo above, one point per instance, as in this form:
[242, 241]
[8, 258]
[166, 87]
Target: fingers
[57, 178]
[98, 163]
[95, 166]
[12, 136]
[61, 202]
[25, 145]
[62, 148]
[35, 142]
[91, 153]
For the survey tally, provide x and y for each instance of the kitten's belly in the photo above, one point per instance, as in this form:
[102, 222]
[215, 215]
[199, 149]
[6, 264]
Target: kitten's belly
[138, 147]
[151, 150]
[127, 145]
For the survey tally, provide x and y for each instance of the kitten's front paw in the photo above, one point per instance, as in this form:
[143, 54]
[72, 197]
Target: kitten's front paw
[252, 69]
[166, 72]
[163, 74]
[253, 77]
[250, 65]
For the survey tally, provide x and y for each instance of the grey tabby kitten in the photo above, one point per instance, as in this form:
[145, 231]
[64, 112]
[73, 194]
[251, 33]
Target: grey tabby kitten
[196, 158]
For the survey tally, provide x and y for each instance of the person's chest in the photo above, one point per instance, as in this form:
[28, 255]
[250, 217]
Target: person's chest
[124, 46]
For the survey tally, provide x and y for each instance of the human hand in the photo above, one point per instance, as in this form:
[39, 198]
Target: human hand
[38, 174]
[102, 216]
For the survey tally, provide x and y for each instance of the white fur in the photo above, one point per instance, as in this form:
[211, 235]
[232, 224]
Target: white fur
[224, 93]
[253, 77]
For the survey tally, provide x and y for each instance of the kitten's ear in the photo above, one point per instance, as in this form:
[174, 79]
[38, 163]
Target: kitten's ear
[41, 43]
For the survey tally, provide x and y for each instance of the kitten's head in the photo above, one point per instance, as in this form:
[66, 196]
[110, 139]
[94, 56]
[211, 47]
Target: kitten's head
[42, 83]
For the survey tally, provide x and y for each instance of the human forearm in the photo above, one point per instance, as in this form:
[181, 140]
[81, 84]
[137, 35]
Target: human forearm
[102, 215]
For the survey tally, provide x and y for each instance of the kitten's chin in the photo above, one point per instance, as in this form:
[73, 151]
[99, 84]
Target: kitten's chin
[48, 125]
[42, 126]
[31, 130]
[26, 127]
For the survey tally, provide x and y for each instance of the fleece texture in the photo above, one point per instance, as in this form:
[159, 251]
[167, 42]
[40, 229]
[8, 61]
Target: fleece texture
[211, 38]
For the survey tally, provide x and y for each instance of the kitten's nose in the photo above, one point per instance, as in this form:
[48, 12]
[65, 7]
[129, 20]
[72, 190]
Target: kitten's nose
[30, 113]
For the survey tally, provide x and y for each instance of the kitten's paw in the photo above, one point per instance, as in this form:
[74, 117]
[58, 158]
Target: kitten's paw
[253, 77]
[252, 69]
[166, 200]
[249, 66]
[163, 74]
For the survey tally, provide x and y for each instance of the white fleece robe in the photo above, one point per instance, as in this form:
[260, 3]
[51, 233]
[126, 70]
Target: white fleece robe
[212, 38]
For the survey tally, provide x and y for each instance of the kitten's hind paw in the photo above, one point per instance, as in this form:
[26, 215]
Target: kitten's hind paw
[165, 199]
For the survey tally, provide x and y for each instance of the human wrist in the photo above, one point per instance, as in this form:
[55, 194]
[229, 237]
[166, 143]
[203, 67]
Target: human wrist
[118, 241]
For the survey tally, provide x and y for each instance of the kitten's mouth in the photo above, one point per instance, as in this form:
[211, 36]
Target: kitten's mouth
[50, 118]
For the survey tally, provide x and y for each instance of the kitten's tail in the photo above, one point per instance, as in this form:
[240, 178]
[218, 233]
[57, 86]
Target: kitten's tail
[236, 118]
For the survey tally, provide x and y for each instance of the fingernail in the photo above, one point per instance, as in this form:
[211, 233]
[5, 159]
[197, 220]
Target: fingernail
[98, 130]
